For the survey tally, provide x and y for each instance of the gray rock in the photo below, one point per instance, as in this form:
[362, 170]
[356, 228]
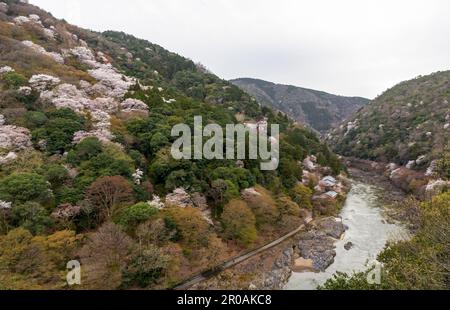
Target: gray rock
[348, 246]
[4, 7]
[280, 273]
[331, 227]
[318, 247]
[285, 260]
[318, 244]
[277, 279]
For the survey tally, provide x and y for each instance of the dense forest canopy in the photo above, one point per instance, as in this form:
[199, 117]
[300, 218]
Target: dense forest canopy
[87, 171]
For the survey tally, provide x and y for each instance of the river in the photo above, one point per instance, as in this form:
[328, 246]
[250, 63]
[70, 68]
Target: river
[367, 230]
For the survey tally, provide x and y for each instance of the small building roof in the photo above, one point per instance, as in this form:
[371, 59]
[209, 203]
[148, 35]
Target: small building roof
[329, 179]
[332, 194]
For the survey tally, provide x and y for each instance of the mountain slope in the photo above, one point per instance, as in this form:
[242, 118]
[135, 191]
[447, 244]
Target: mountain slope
[408, 122]
[318, 109]
[86, 169]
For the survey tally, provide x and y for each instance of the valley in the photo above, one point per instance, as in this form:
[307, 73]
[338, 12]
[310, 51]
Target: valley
[88, 126]
[367, 234]
[363, 228]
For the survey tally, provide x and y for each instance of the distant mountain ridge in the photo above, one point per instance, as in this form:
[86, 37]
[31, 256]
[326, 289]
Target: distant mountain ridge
[318, 109]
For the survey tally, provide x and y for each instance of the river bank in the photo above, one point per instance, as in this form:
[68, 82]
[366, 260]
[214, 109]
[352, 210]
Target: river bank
[325, 245]
[369, 222]
[367, 232]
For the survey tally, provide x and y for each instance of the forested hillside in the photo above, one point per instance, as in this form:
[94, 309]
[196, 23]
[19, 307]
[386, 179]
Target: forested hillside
[406, 132]
[86, 170]
[407, 125]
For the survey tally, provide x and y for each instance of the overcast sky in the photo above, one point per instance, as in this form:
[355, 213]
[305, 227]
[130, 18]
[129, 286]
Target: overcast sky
[346, 47]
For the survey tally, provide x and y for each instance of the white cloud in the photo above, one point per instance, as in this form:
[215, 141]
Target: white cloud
[349, 47]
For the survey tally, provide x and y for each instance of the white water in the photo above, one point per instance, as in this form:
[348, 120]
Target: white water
[368, 231]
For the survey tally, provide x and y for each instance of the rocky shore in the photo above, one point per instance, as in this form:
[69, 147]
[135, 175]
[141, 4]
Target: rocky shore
[422, 184]
[312, 250]
[316, 247]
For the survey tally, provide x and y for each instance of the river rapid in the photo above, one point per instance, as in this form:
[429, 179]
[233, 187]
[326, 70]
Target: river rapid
[368, 230]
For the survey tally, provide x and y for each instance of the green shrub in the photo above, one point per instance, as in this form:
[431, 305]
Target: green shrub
[58, 131]
[23, 187]
[14, 80]
[241, 178]
[443, 165]
[132, 216]
[55, 174]
[302, 195]
[31, 216]
[221, 193]
[146, 268]
[179, 178]
[69, 194]
[343, 281]
[85, 150]
[35, 119]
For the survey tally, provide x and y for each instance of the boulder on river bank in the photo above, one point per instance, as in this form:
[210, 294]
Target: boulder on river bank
[318, 244]
[331, 226]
